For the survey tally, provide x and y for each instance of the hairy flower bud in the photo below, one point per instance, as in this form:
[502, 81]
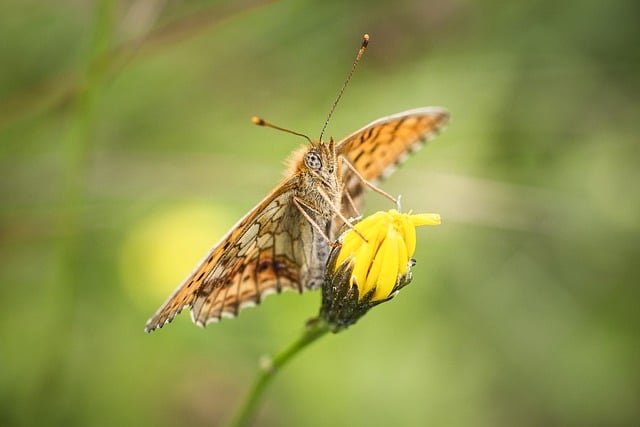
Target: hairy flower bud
[363, 273]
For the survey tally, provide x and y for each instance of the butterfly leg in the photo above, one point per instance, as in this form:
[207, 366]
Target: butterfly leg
[365, 182]
[352, 204]
[302, 207]
[339, 214]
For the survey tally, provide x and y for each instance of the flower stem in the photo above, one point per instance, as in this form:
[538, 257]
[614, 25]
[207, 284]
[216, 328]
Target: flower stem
[314, 330]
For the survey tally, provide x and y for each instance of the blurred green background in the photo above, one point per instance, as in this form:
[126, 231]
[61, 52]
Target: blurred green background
[126, 151]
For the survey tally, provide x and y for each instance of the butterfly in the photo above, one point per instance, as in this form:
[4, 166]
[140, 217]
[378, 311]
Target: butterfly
[284, 242]
[279, 244]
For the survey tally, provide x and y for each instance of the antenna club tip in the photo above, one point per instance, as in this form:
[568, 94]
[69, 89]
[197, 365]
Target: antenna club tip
[257, 121]
[365, 40]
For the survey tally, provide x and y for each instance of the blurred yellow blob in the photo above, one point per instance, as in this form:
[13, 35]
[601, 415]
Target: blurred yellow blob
[164, 248]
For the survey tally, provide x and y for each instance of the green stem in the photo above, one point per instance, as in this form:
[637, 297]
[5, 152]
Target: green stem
[57, 384]
[315, 329]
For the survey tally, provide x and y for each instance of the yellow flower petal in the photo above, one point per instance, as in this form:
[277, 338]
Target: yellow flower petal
[361, 265]
[408, 231]
[374, 270]
[388, 258]
[424, 219]
[365, 254]
[369, 228]
[403, 257]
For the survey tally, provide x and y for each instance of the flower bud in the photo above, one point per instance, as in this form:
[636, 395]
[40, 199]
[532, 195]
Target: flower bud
[371, 263]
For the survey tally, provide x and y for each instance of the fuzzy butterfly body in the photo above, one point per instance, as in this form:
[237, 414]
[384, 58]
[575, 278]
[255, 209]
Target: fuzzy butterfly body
[283, 243]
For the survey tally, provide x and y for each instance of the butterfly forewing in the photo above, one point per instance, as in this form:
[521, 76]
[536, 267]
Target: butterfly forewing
[266, 252]
[376, 149]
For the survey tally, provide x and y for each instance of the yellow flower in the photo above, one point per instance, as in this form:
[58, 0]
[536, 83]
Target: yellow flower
[362, 273]
[391, 242]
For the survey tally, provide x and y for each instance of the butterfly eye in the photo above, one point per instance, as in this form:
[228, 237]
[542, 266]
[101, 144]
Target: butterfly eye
[312, 160]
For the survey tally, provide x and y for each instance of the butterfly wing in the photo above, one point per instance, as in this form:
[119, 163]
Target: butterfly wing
[268, 251]
[376, 149]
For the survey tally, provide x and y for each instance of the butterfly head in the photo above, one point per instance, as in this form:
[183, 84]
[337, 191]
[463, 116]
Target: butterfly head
[320, 156]
[319, 164]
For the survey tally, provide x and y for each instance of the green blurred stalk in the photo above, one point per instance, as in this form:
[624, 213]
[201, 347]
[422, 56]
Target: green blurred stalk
[75, 168]
[67, 284]
[314, 330]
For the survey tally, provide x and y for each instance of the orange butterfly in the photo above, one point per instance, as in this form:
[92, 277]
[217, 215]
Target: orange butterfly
[284, 242]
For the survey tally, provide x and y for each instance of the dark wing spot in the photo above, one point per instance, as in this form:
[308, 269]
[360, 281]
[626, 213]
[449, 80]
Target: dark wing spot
[279, 265]
[400, 122]
[264, 265]
[367, 134]
[357, 157]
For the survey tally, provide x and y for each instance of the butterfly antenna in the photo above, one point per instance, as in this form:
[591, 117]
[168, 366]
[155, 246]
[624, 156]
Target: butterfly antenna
[260, 122]
[363, 47]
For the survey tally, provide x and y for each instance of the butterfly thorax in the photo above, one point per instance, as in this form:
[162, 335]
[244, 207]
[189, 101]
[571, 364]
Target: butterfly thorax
[319, 185]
